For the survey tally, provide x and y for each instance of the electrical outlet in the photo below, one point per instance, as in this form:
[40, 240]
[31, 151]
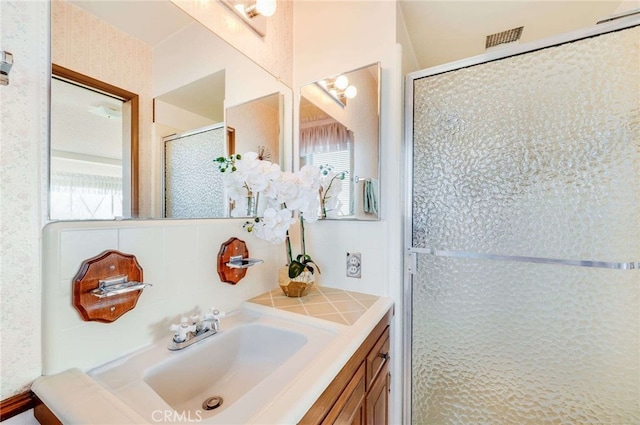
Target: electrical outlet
[354, 264]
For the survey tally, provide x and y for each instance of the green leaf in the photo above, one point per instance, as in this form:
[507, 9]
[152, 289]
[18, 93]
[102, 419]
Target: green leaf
[295, 269]
[311, 262]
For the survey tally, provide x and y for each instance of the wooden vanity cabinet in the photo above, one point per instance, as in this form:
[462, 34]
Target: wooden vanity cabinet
[359, 394]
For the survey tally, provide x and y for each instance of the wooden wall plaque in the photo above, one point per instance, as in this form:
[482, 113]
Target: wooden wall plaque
[231, 248]
[104, 266]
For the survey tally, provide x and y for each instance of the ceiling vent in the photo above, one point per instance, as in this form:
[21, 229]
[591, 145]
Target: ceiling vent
[508, 36]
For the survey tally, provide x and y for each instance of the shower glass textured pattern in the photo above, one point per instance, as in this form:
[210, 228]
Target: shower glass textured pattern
[533, 155]
[193, 184]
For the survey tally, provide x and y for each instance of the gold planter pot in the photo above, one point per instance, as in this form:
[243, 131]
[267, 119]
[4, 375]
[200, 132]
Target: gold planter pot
[296, 287]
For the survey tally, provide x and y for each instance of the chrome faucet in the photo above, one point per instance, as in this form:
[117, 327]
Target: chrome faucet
[187, 333]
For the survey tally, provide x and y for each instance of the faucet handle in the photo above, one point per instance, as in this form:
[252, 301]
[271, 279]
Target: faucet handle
[217, 315]
[181, 330]
[194, 319]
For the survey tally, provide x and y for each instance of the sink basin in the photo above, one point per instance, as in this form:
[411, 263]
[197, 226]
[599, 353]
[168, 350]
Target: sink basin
[240, 370]
[230, 366]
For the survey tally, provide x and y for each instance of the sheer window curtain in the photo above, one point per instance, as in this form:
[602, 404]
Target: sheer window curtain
[329, 142]
[77, 196]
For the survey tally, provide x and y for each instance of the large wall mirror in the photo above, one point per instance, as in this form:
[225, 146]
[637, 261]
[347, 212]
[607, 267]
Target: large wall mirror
[143, 99]
[340, 128]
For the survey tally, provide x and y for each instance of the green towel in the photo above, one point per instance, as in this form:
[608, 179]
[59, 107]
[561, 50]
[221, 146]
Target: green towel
[371, 196]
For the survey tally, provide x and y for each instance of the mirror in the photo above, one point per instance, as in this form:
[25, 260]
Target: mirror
[178, 83]
[340, 127]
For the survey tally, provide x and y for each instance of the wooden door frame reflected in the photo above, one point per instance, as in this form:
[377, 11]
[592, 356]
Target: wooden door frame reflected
[231, 140]
[127, 97]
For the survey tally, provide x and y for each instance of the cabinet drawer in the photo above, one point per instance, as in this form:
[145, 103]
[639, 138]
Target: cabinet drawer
[378, 357]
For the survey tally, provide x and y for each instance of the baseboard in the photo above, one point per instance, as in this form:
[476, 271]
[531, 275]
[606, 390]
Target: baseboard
[17, 404]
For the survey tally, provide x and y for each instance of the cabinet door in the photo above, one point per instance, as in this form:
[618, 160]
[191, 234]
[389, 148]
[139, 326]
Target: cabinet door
[377, 402]
[349, 408]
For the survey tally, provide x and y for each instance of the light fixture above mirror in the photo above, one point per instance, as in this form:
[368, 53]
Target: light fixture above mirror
[339, 89]
[253, 12]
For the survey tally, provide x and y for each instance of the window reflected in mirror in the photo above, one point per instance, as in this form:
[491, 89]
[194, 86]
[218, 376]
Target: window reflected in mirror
[90, 157]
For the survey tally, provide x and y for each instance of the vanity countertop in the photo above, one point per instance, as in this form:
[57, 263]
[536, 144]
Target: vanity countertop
[350, 316]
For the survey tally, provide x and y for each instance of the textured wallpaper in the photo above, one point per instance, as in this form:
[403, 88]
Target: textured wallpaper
[260, 128]
[85, 44]
[23, 124]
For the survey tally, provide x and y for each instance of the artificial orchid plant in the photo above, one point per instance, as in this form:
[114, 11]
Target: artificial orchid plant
[281, 194]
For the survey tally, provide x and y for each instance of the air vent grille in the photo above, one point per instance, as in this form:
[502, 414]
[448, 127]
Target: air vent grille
[503, 37]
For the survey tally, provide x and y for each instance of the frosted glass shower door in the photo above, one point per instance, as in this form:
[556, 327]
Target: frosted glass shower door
[193, 186]
[525, 238]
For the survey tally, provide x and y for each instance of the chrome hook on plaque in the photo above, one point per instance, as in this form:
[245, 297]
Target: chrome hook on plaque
[6, 62]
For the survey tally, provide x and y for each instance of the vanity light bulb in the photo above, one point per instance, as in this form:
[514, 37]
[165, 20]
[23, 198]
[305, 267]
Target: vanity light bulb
[351, 92]
[342, 82]
[334, 93]
[266, 7]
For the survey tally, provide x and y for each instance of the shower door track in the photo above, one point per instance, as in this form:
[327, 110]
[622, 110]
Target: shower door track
[410, 253]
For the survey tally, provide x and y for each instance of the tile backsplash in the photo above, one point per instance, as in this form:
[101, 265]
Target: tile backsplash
[177, 256]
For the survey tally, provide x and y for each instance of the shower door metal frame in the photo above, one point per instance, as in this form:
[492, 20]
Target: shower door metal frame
[625, 22]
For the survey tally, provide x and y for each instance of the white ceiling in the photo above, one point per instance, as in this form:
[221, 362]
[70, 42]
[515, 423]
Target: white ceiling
[204, 97]
[446, 31]
[75, 129]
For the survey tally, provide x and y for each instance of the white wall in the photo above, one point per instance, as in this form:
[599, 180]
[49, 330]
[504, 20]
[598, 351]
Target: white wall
[23, 127]
[331, 37]
[256, 124]
[409, 58]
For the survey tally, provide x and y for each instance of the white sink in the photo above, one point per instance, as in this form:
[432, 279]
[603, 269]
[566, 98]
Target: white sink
[229, 366]
[253, 359]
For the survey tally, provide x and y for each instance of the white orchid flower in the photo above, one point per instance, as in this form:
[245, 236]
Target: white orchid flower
[274, 224]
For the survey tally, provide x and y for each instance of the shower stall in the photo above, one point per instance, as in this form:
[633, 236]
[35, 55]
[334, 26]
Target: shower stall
[523, 234]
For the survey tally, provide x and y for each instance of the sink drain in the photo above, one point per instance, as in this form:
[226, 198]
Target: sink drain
[212, 403]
